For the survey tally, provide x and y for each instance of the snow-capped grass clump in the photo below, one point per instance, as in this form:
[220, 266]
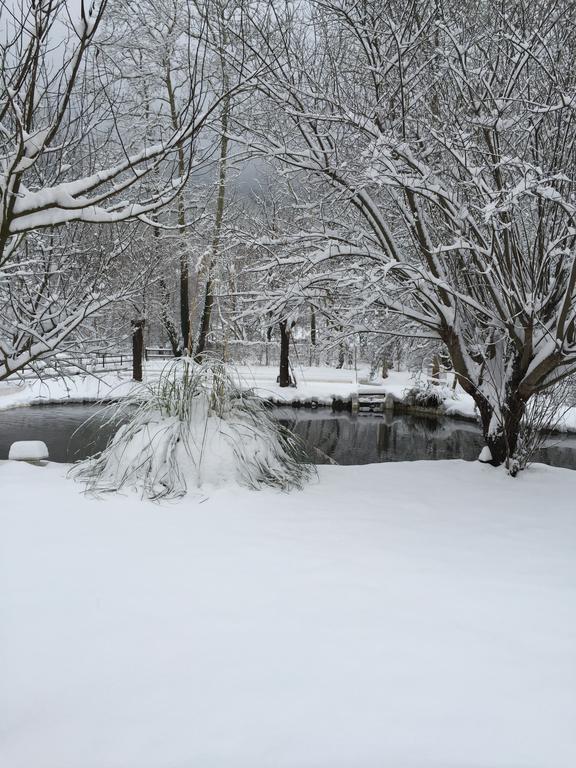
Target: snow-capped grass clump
[195, 427]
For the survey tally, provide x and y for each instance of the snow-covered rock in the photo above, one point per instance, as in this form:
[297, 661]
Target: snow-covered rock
[28, 450]
[485, 455]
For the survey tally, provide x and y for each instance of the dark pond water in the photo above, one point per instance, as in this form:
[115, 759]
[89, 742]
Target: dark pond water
[71, 432]
[341, 437]
[369, 439]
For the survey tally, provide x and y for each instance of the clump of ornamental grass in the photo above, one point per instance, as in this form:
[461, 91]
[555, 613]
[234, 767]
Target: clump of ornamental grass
[193, 427]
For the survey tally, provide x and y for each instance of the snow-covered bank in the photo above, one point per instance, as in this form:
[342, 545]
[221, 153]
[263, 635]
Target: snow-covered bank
[315, 385]
[318, 385]
[405, 615]
[65, 389]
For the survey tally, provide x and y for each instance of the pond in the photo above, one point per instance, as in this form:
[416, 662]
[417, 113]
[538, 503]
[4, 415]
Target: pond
[340, 437]
[71, 432]
[371, 438]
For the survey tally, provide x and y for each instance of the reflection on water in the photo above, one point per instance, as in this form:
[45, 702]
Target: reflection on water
[340, 437]
[369, 439]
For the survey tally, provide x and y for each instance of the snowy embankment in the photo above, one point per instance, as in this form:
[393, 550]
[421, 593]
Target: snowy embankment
[406, 615]
[318, 385]
[315, 385]
[323, 386]
[65, 389]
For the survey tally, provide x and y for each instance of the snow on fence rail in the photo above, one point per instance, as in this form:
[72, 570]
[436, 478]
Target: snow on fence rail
[76, 364]
[158, 353]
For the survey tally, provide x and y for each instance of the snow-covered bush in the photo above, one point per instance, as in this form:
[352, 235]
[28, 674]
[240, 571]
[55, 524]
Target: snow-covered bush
[195, 426]
[424, 394]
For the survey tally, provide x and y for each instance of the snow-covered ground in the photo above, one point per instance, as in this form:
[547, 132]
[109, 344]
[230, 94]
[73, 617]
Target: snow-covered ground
[319, 384]
[65, 389]
[393, 615]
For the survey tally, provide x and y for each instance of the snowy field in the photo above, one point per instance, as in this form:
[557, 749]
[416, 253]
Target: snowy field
[389, 616]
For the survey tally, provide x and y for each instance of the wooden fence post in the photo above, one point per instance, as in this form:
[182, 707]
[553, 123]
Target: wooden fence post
[137, 348]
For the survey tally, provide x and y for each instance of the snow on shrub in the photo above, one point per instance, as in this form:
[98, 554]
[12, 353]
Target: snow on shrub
[425, 394]
[195, 426]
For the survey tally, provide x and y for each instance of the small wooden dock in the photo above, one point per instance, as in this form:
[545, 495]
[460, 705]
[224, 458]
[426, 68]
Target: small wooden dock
[366, 401]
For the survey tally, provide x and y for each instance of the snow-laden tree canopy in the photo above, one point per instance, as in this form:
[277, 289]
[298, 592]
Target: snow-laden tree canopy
[446, 134]
[76, 148]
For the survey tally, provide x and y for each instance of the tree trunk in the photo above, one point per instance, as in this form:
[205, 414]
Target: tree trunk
[185, 300]
[217, 234]
[312, 327]
[312, 360]
[137, 348]
[266, 345]
[284, 378]
[166, 321]
[384, 367]
[205, 321]
[341, 350]
[435, 369]
[501, 427]
[184, 277]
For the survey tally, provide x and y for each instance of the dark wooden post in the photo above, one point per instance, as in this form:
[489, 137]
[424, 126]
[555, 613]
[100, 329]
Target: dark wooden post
[137, 348]
[284, 377]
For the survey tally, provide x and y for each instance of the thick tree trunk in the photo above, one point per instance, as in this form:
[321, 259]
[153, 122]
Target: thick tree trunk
[501, 426]
[501, 405]
[137, 348]
[284, 377]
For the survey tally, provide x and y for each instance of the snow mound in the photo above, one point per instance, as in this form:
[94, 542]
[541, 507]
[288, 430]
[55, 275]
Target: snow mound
[28, 450]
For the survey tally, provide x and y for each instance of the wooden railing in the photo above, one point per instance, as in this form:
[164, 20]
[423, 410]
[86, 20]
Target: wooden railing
[157, 353]
[68, 364]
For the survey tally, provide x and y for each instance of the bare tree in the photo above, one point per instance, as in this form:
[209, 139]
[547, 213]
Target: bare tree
[73, 152]
[449, 132]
